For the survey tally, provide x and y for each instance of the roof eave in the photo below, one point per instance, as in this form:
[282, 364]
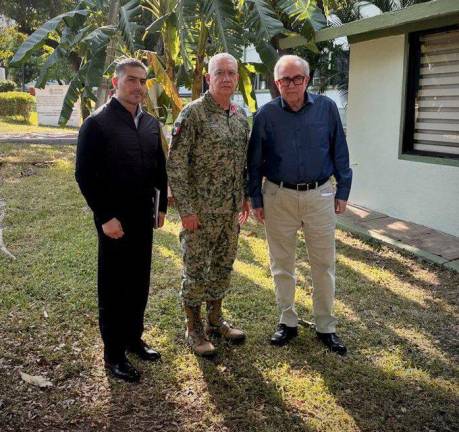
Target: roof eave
[417, 17]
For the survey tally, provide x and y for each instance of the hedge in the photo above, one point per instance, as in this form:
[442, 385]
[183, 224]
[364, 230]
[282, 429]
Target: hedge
[16, 103]
[7, 85]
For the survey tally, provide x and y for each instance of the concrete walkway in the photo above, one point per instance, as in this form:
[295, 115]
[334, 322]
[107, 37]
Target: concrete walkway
[426, 243]
[40, 138]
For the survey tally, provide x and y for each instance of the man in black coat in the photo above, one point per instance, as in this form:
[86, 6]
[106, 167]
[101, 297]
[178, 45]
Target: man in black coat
[119, 164]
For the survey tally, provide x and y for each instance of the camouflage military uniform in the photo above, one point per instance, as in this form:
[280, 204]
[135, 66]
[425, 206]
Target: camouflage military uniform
[206, 170]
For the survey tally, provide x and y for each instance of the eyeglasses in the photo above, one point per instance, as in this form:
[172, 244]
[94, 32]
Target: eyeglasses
[296, 80]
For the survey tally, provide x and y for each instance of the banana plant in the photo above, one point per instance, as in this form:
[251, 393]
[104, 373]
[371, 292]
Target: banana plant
[84, 33]
[189, 31]
[182, 35]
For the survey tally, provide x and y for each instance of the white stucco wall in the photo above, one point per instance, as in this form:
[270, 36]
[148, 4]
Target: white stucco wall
[423, 193]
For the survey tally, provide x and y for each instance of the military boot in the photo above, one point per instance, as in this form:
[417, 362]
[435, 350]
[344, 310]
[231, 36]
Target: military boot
[194, 334]
[216, 325]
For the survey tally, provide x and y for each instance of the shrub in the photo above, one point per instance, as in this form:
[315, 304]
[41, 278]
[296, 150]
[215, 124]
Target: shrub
[16, 103]
[7, 85]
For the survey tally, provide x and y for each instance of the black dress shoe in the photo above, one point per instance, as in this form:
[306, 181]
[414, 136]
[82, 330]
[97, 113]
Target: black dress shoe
[123, 370]
[332, 342]
[283, 335]
[144, 351]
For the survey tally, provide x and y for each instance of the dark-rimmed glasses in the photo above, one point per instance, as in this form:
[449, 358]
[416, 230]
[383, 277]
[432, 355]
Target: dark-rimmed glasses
[296, 80]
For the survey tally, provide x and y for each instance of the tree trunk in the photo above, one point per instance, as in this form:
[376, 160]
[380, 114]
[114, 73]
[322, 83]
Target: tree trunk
[199, 67]
[102, 91]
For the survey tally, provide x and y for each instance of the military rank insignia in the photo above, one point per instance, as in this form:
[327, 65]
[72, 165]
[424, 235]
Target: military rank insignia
[177, 128]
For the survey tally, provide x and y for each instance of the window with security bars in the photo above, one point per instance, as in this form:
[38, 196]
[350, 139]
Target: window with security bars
[432, 116]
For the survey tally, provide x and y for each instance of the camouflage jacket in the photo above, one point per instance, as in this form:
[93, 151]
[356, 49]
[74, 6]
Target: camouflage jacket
[207, 158]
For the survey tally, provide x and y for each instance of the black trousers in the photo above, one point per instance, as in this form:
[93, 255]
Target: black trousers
[124, 281]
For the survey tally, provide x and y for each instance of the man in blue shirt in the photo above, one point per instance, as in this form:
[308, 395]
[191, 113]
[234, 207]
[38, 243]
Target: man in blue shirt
[297, 144]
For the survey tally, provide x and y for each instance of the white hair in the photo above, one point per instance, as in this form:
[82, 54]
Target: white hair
[217, 57]
[290, 59]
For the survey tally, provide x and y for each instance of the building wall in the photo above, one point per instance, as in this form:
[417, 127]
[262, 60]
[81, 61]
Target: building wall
[419, 192]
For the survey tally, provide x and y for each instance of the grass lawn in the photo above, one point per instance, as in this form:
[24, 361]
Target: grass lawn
[398, 316]
[16, 125]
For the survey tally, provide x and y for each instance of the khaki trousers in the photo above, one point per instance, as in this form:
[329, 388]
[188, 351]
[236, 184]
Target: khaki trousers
[286, 211]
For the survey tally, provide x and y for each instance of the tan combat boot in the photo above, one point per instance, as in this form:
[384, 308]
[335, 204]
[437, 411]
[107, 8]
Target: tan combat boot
[194, 334]
[216, 325]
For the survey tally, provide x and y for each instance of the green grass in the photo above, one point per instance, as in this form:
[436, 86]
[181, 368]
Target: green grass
[16, 125]
[398, 316]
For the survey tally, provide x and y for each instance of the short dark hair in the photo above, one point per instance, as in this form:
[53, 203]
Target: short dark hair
[121, 66]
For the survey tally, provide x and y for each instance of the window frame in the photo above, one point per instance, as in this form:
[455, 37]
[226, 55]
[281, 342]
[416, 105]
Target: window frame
[412, 76]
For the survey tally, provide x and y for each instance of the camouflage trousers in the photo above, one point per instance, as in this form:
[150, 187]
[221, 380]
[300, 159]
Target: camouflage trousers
[208, 257]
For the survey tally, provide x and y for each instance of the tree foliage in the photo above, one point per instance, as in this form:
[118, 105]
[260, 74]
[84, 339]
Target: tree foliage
[30, 14]
[176, 43]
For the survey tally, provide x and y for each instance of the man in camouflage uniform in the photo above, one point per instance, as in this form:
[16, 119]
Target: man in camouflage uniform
[206, 170]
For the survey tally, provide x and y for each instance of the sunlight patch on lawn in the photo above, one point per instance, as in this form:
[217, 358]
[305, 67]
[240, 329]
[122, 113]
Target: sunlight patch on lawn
[387, 279]
[424, 342]
[253, 273]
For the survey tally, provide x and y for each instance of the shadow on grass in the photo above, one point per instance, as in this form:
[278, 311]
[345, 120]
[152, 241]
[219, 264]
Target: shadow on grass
[401, 368]
[391, 380]
[245, 396]
[398, 375]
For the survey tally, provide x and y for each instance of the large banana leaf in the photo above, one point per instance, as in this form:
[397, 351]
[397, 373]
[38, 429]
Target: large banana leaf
[95, 70]
[88, 76]
[245, 86]
[72, 95]
[156, 25]
[127, 25]
[164, 80]
[69, 40]
[222, 14]
[171, 38]
[306, 13]
[262, 19]
[98, 38]
[187, 12]
[56, 56]
[92, 42]
[39, 36]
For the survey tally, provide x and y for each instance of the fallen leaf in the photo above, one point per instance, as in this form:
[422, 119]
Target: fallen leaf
[45, 314]
[36, 380]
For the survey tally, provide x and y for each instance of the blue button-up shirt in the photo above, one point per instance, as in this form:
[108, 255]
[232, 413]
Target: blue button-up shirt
[298, 147]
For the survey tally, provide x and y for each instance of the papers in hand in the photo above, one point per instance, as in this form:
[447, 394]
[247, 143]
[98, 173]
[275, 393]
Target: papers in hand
[155, 200]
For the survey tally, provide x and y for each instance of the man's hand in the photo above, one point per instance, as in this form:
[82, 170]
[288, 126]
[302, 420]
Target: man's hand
[190, 222]
[259, 214]
[340, 206]
[161, 218]
[244, 214]
[113, 229]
